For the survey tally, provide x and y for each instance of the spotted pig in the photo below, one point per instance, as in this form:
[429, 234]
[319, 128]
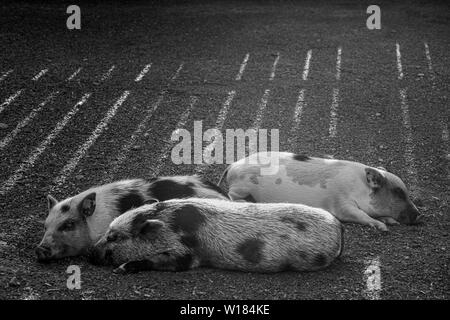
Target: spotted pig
[76, 223]
[182, 234]
[351, 191]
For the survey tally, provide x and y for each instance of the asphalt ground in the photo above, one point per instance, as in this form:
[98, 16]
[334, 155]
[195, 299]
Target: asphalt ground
[384, 116]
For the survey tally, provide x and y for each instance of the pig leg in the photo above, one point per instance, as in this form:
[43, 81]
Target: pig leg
[389, 221]
[351, 213]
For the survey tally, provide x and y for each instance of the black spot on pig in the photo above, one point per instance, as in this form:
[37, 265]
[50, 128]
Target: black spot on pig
[301, 157]
[165, 189]
[301, 226]
[278, 181]
[187, 219]
[183, 262]
[208, 184]
[190, 240]
[286, 267]
[250, 198]
[320, 260]
[132, 199]
[65, 208]
[251, 250]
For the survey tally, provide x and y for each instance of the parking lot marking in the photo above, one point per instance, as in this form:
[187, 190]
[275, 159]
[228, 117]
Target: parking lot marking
[372, 278]
[338, 64]
[399, 62]
[7, 185]
[79, 154]
[180, 124]
[408, 134]
[107, 74]
[10, 136]
[332, 130]
[10, 99]
[143, 72]
[274, 67]
[5, 74]
[333, 113]
[242, 68]
[125, 150]
[301, 104]
[430, 65]
[409, 146]
[73, 75]
[306, 66]
[39, 75]
[261, 108]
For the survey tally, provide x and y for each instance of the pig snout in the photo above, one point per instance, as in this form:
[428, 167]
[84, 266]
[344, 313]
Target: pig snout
[100, 254]
[43, 253]
[410, 215]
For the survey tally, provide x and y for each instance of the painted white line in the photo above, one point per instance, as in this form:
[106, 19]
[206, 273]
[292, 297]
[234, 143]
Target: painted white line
[40, 74]
[338, 64]
[224, 110]
[10, 99]
[73, 75]
[430, 65]
[372, 278]
[123, 154]
[181, 124]
[108, 73]
[306, 66]
[5, 74]
[299, 107]
[408, 136]
[399, 62]
[333, 113]
[143, 73]
[29, 163]
[261, 109]
[10, 136]
[242, 68]
[80, 153]
[332, 130]
[274, 67]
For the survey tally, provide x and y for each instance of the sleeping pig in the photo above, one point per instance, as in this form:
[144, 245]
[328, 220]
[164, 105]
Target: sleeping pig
[182, 234]
[76, 223]
[351, 191]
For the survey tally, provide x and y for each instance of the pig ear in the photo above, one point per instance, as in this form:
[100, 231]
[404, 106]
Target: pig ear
[151, 200]
[375, 178]
[150, 227]
[381, 168]
[87, 205]
[51, 201]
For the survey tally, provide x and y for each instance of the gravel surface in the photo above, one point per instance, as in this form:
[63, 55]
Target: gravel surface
[210, 40]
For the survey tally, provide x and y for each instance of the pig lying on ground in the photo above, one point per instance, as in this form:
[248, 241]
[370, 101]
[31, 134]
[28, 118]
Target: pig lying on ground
[182, 234]
[351, 191]
[76, 223]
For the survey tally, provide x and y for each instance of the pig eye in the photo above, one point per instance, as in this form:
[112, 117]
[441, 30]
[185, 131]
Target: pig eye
[67, 226]
[112, 237]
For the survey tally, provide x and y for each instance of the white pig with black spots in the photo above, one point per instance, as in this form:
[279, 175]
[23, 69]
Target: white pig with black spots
[182, 234]
[351, 191]
[76, 223]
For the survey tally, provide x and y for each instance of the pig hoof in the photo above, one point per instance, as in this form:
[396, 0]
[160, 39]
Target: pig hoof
[382, 227]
